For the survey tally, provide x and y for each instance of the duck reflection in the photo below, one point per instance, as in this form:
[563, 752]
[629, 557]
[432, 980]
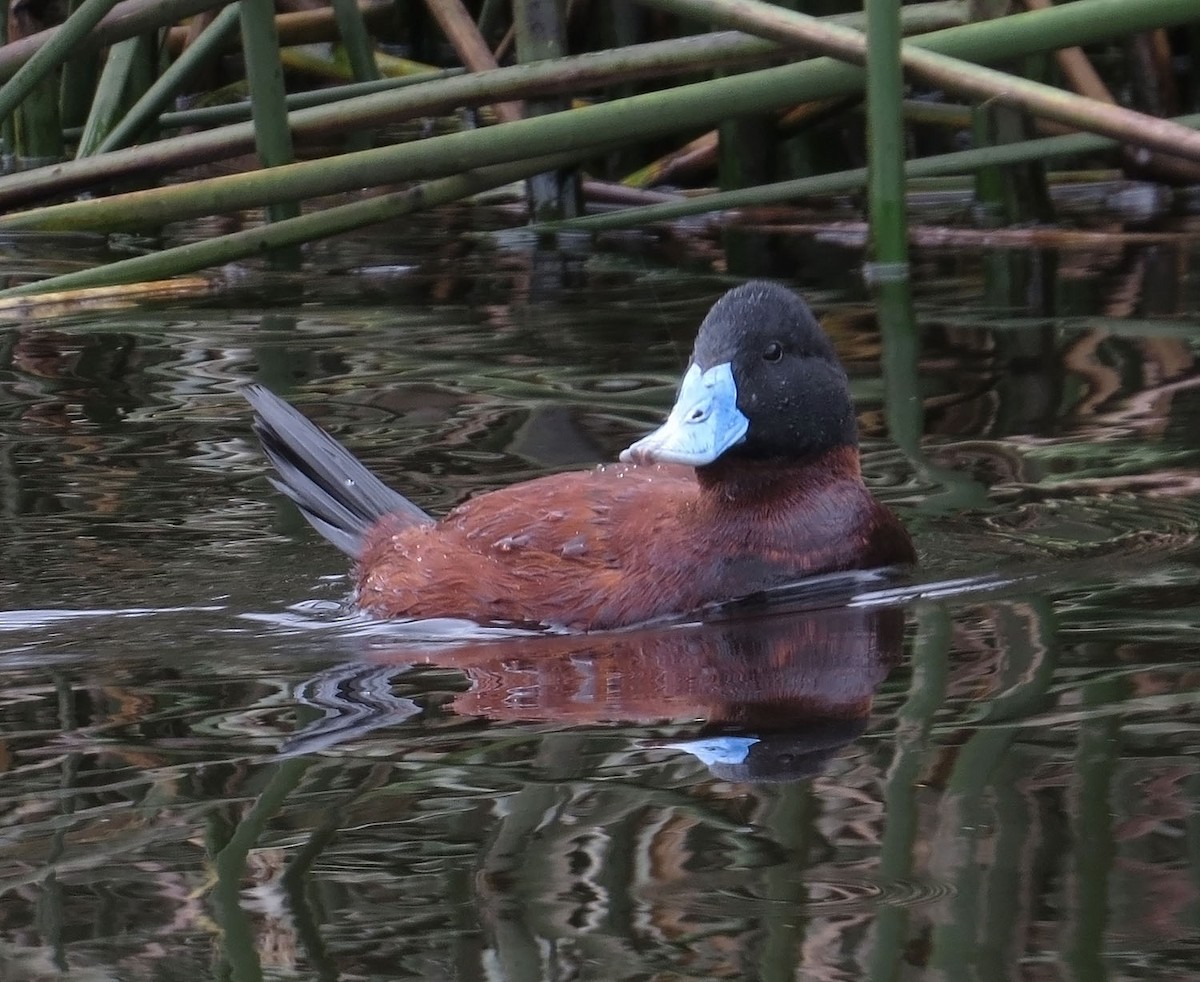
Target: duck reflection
[771, 698]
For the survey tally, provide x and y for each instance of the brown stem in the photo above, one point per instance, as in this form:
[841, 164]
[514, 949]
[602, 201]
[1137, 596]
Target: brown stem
[461, 31]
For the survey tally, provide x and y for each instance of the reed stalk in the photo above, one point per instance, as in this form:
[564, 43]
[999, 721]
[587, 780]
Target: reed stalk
[573, 73]
[77, 83]
[638, 62]
[7, 130]
[541, 35]
[142, 73]
[637, 117]
[124, 20]
[959, 162]
[359, 50]
[272, 136]
[885, 142]
[1083, 21]
[68, 38]
[460, 30]
[1083, 77]
[702, 151]
[38, 127]
[306, 61]
[293, 231]
[955, 74]
[110, 94]
[630, 119]
[145, 111]
[316, 26]
[490, 14]
[360, 56]
[238, 111]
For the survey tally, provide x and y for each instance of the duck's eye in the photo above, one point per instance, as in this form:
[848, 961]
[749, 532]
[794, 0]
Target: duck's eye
[773, 351]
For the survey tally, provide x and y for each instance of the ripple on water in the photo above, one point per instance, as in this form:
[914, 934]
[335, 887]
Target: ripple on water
[1080, 527]
[848, 892]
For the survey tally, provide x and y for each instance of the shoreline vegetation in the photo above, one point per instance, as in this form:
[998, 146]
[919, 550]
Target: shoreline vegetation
[130, 116]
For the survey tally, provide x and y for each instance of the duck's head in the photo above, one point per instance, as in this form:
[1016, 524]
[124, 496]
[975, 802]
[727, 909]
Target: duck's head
[763, 383]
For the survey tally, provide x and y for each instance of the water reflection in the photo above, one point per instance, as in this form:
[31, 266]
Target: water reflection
[530, 807]
[1024, 798]
[769, 698]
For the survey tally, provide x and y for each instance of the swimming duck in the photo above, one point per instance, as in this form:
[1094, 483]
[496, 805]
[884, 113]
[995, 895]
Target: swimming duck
[752, 482]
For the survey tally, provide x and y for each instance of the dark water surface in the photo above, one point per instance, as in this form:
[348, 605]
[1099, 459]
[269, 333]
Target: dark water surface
[212, 770]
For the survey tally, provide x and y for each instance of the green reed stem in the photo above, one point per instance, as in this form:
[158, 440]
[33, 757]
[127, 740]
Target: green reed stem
[292, 231]
[110, 94]
[955, 74]
[541, 35]
[272, 136]
[144, 112]
[37, 125]
[415, 100]
[356, 40]
[78, 84]
[7, 132]
[74, 31]
[575, 73]
[235, 112]
[885, 140]
[124, 20]
[623, 120]
[490, 13]
[848, 180]
[568, 74]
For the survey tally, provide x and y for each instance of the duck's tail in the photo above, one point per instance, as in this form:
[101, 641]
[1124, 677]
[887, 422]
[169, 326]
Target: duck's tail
[335, 492]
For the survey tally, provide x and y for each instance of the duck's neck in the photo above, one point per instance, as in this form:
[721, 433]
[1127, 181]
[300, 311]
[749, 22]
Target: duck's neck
[745, 480]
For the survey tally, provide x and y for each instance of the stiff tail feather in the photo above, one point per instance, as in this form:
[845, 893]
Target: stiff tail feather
[334, 491]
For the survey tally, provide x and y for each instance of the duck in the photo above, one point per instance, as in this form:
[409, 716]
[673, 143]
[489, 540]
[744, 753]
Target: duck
[753, 482]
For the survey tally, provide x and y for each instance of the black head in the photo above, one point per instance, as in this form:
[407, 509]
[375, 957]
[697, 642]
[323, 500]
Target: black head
[764, 382]
[790, 384]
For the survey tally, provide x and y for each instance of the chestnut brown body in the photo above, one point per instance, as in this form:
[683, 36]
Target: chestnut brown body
[626, 543]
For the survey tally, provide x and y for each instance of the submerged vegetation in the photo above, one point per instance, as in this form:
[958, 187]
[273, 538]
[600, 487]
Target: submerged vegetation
[129, 116]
